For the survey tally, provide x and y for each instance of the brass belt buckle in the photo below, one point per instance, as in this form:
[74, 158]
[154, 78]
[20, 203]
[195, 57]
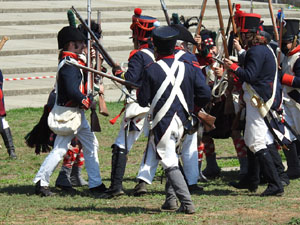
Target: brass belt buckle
[255, 101]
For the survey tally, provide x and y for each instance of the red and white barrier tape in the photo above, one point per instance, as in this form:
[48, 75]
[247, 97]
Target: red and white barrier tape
[43, 77]
[28, 78]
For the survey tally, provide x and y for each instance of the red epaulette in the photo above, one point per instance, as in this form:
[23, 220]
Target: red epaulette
[132, 53]
[236, 82]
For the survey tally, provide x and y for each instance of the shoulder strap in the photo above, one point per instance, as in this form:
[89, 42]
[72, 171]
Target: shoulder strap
[149, 53]
[60, 65]
[264, 107]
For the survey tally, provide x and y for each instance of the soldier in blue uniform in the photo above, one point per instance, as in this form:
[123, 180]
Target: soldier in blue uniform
[171, 88]
[4, 127]
[189, 151]
[70, 93]
[291, 85]
[262, 93]
[133, 119]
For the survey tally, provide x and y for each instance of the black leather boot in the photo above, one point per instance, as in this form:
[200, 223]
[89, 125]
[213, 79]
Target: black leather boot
[267, 166]
[251, 179]
[298, 149]
[291, 155]
[278, 164]
[118, 165]
[212, 169]
[8, 141]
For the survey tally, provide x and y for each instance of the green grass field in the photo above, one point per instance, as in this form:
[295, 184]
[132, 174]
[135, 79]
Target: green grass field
[217, 204]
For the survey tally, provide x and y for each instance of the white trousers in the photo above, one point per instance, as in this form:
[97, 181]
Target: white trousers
[292, 116]
[189, 156]
[90, 151]
[4, 123]
[132, 136]
[257, 135]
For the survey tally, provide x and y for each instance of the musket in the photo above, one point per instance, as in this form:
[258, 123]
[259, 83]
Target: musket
[95, 125]
[102, 105]
[229, 108]
[229, 22]
[111, 77]
[198, 29]
[232, 17]
[273, 21]
[97, 43]
[280, 37]
[164, 8]
[222, 29]
[3, 41]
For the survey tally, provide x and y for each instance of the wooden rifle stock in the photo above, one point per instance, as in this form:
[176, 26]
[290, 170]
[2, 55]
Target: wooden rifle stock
[200, 22]
[3, 41]
[97, 43]
[207, 120]
[222, 29]
[114, 78]
[102, 105]
[228, 25]
[229, 108]
[273, 21]
[232, 17]
[164, 8]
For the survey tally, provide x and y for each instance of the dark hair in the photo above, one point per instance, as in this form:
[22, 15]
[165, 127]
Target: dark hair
[260, 40]
[65, 48]
[256, 39]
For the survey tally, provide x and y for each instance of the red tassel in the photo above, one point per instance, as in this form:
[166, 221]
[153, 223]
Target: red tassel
[114, 120]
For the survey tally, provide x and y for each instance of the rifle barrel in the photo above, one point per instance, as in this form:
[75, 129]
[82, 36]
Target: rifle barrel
[164, 8]
[114, 78]
[104, 53]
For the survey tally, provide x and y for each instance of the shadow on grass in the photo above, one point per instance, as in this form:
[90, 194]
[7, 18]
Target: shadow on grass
[18, 189]
[108, 210]
[30, 190]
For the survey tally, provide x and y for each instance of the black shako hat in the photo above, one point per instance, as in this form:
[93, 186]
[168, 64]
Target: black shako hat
[67, 34]
[249, 22]
[290, 29]
[269, 29]
[184, 34]
[164, 39]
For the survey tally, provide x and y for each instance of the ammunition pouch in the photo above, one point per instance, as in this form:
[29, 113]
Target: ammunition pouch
[191, 125]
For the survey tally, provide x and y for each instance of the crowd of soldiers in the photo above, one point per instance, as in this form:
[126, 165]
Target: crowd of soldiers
[252, 94]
